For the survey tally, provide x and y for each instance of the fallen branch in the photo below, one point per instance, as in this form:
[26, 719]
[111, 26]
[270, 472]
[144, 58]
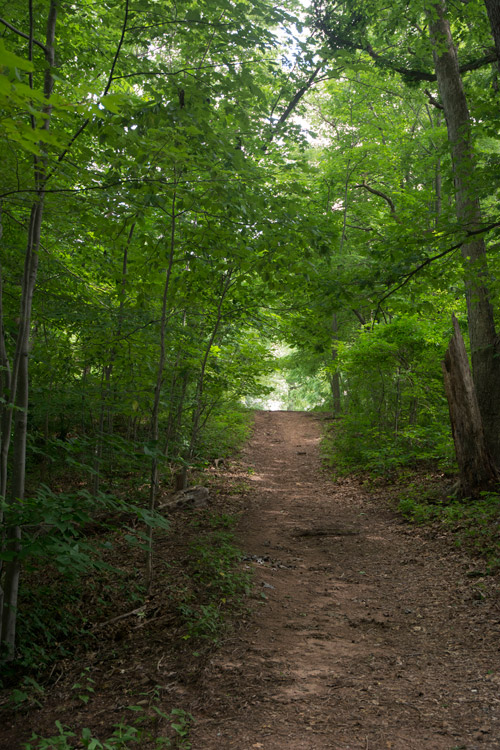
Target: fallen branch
[139, 611]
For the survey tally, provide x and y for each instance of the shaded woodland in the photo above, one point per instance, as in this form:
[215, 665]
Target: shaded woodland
[203, 204]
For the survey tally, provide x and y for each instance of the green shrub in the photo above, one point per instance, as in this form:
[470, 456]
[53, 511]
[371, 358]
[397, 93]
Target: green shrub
[395, 410]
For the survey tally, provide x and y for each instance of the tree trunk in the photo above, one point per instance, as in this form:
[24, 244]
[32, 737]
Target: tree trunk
[475, 466]
[153, 486]
[198, 400]
[493, 8]
[484, 347]
[18, 392]
[335, 376]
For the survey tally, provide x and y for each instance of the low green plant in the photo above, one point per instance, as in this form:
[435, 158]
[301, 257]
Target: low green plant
[121, 738]
[29, 693]
[225, 431]
[213, 563]
[124, 734]
[85, 686]
[181, 722]
[475, 523]
[355, 446]
[203, 621]
[214, 520]
[51, 616]
[219, 582]
[415, 511]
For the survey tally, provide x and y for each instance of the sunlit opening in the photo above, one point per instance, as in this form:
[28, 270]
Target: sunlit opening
[294, 385]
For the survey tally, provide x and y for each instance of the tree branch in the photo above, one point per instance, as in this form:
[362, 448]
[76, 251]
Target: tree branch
[339, 39]
[296, 99]
[190, 68]
[125, 181]
[432, 100]
[359, 316]
[380, 194]
[428, 261]
[21, 33]
[84, 124]
[118, 49]
[422, 75]
[363, 229]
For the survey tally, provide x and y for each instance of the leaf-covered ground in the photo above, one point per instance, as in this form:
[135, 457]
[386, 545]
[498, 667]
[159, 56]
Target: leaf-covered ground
[362, 633]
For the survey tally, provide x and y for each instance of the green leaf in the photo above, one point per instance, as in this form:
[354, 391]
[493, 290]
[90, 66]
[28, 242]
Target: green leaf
[114, 102]
[10, 60]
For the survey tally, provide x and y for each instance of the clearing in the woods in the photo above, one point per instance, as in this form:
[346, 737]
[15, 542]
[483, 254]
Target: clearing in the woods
[364, 633]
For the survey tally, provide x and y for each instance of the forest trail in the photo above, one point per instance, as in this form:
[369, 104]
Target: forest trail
[371, 635]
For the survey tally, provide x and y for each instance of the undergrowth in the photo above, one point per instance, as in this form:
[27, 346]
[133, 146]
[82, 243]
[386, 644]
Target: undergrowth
[225, 432]
[351, 447]
[207, 588]
[125, 734]
[67, 553]
[474, 523]
[219, 586]
[73, 534]
[83, 576]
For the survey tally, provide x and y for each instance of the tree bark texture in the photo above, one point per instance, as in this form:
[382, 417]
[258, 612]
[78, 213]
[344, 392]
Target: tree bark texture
[493, 9]
[483, 339]
[476, 468]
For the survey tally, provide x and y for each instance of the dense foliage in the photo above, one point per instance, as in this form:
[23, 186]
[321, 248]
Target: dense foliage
[187, 187]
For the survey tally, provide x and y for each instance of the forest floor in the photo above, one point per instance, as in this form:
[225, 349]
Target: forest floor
[372, 635]
[363, 633]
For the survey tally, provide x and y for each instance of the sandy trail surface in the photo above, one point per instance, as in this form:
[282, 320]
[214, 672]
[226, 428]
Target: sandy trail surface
[366, 633]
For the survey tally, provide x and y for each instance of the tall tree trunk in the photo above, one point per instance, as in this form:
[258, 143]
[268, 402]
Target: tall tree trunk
[493, 9]
[6, 411]
[484, 347]
[476, 469]
[155, 413]
[18, 395]
[107, 396]
[5, 383]
[177, 394]
[335, 376]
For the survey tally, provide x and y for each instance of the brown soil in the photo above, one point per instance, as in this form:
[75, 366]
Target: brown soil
[364, 634]
[370, 637]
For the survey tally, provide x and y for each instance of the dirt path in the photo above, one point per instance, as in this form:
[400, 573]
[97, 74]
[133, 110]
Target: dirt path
[371, 635]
